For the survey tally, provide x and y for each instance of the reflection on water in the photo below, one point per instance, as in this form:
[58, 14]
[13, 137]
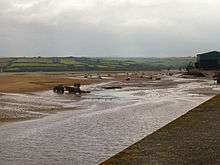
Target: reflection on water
[98, 126]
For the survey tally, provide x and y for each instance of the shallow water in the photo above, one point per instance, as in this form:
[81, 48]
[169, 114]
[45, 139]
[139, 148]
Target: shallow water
[99, 125]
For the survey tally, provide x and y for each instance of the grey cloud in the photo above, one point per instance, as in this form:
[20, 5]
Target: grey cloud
[108, 28]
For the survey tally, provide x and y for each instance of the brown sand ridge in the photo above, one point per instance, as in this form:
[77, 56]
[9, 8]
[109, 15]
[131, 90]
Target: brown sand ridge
[30, 82]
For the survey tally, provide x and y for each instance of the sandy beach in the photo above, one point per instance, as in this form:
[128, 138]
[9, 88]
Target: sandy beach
[14, 108]
[32, 82]
[17, 90]
[105, 121]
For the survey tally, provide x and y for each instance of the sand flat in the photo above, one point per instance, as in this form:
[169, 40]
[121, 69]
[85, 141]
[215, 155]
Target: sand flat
[95, 126]
[193, 138]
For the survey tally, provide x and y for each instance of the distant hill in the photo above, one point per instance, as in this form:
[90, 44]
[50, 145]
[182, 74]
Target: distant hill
[35, 64]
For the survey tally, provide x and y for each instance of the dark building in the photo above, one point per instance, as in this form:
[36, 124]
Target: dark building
[210, 60]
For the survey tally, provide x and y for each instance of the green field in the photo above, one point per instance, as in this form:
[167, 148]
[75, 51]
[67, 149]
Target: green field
[91, 64]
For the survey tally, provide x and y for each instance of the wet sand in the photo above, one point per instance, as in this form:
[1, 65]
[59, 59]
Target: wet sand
[90, 128]
[193, 138]
[13, 107]
[18, 99]
[93, 127]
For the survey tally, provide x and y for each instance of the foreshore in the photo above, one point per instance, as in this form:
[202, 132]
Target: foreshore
[193, 138]
[42, 81]
[14, 108]
[144, 104]
[32, 82]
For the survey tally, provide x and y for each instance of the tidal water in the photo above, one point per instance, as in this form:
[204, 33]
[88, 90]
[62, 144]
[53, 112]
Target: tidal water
[95, 126]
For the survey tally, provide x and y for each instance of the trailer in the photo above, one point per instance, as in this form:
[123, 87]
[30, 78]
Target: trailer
[75, 89]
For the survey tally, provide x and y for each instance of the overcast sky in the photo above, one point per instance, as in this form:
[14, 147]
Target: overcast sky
[97, 28]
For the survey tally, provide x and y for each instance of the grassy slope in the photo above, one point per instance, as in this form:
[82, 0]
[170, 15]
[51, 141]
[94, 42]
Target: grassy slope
[78, 64]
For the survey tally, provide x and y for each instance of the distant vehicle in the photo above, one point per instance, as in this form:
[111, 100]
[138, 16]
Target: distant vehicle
[60, 89]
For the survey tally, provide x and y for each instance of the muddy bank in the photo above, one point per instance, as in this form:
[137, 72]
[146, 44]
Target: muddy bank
[193, 138]
[32, 82]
